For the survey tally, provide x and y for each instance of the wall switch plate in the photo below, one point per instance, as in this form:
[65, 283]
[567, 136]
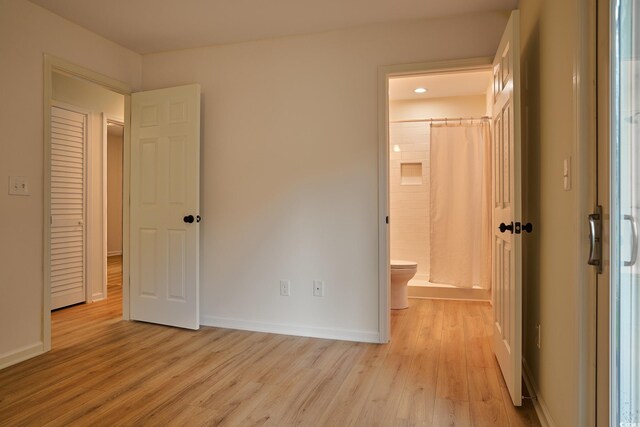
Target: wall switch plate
[318, 288]
[18, 186]
[285, 288]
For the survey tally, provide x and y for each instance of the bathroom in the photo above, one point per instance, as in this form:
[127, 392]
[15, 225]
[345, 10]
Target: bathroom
[440, 186]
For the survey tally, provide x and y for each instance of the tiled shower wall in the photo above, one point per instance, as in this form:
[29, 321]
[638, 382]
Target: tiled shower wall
[409, 199]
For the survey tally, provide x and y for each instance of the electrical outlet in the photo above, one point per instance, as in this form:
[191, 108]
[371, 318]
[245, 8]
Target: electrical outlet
[538, 337]
[318, 288]
[285, 288]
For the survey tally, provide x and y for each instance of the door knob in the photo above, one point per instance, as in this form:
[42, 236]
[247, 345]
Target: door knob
[188, 219]
[504, 227]
[528, 227]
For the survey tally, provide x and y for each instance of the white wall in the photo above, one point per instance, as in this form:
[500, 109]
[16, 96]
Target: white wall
[456, 106]
[114, 193]
[26, 33]
[552, 285]
[409, 205]
[97, 100]
[289, 167]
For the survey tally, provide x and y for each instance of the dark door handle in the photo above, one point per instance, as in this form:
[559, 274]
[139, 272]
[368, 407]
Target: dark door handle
[198, 218]
[595, 237]
[504, 227]
[188, 219]
[528, 227]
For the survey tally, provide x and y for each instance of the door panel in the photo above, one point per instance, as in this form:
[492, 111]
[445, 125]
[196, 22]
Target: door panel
[625, 213]
[67, 265]
[165, 188]
[507, 245]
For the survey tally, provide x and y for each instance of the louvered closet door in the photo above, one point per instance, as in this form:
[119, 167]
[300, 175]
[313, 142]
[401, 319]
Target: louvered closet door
[68, 146]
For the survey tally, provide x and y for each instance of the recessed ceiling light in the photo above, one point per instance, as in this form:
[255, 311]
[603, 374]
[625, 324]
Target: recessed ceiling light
[420, 90]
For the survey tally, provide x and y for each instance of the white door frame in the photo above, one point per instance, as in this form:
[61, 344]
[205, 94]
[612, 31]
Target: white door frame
[602, 361]
[106, 119]
[51, 65]
[384, 73]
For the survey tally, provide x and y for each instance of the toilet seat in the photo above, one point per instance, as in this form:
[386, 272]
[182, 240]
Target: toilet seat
[400, 264]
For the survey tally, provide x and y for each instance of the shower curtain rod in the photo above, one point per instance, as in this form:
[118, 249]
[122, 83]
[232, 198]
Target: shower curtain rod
[443, 119]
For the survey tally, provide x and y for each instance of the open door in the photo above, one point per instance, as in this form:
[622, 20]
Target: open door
[164, 206]
[507, 210]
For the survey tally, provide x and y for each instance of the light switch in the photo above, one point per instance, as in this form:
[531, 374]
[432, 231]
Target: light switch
[566, 174]
[18, 186]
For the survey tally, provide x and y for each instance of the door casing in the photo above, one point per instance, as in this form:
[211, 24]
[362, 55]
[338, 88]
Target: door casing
[106, 120]
[603, 43]
[53, 64]
[384, 73]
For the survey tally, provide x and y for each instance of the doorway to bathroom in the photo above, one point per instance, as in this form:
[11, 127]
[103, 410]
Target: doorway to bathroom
[440, 184]
[448, 179]
[451, 175]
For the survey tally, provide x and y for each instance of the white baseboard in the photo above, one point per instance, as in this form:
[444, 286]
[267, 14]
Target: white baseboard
[21, 354]
[114, 253]
[303, 331]
[98, 296]
[542, 410]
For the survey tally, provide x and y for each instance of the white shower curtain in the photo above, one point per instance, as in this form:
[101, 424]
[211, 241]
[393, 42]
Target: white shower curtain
[460, 237]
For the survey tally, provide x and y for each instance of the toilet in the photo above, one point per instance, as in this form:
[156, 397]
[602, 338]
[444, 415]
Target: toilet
[401, 272]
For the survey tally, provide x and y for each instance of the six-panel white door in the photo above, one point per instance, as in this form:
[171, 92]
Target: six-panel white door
[507, 210]
[165, 190]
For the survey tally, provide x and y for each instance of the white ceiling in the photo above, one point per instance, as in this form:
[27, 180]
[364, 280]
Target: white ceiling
[147, 26]
[440, 85]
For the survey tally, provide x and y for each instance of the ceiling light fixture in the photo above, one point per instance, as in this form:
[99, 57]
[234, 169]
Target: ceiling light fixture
[420, 90]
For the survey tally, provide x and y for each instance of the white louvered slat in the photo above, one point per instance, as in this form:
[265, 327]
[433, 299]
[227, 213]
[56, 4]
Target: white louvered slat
[67, 265]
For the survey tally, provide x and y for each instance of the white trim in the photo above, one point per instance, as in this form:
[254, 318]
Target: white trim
[284, 329]
[114, 253]
[97, 297]
[21, 354]
[126, 171]
[52, 64]
[89, 226]
[384, 72]
[106, 119]
[585, 188]
[542, 410]
[603, 343]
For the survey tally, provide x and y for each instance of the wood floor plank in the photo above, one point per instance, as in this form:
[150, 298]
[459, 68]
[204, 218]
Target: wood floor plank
[438, 370]
[349, 400]
[451, 413]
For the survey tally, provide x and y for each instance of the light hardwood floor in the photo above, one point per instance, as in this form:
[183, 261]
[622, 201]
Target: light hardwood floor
[437, 371]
